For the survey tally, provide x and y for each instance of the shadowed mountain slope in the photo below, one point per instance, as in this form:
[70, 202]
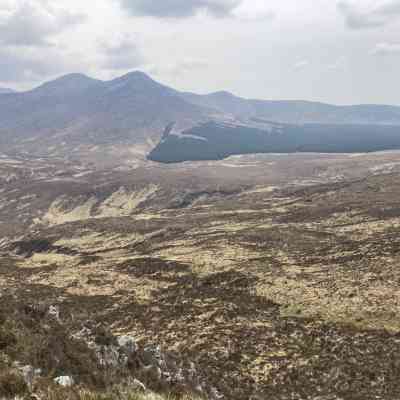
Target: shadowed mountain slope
[214, 141]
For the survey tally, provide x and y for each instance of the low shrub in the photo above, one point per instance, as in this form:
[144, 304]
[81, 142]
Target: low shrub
[12, 384]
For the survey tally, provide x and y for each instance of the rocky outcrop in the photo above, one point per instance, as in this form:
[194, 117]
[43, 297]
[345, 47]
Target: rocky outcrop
[64, 381]
[149, 366]
[110, 359]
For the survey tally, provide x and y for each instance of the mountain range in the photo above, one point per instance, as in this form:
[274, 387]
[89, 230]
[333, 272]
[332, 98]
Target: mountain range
[136, 116]
[6, 91]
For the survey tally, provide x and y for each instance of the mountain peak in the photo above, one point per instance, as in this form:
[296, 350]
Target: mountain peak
[139, 81]
[67, 84]
[222, 94]
[73, 77]
[137, 75]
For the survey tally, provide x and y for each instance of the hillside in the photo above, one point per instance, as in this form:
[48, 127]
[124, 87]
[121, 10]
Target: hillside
[274, 276]
[215, 141]
[121, 121]
[75, 113]
[6, 91]
[297, 112]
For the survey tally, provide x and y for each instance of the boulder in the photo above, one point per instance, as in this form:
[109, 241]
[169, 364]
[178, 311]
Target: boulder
[28, 373]
[127, 345]
[65, 381]
[137, 385]
[54, 312]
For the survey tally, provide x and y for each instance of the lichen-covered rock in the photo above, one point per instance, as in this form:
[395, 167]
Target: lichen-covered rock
[127, 344]
[111, 351]
[87, 355]
[54, 312]
[152, 355]
[138, 386]
[30, 374]
[64, 381]
[149, 365]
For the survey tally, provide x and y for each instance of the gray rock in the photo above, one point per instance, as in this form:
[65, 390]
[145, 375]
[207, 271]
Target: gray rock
[108, 356]
[139, 386]
[54, 312]
[127, 345]
[65, 381]
[28, 373]
[83, 334]
[154, 356]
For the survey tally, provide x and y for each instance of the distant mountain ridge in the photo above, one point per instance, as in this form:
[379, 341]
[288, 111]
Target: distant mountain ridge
[297, 111]
[76, 110]
[6, 90]
[67, 84]
[76, 115]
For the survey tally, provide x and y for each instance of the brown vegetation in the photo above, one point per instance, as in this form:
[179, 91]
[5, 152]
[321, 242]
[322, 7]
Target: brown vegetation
[278, 292]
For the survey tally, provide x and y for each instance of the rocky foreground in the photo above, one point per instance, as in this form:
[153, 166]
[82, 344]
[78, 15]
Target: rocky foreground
[45, 354]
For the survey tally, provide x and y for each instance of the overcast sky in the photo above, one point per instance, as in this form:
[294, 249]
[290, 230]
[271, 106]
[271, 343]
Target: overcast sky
[341, 52]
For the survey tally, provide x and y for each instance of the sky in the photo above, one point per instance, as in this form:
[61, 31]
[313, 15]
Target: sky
[335, 51]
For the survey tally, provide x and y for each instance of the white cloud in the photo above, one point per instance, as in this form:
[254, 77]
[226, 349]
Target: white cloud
[34, 23]
[301, 64]
[177, 69]
[254, 11]
[359, 16]
[339, 64]
[246, 52]
[180, 8]
[122, 54]
[27, 64]
[386, 48]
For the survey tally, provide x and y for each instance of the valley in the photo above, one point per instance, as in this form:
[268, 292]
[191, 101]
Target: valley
[275, 274]
[199, 200]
